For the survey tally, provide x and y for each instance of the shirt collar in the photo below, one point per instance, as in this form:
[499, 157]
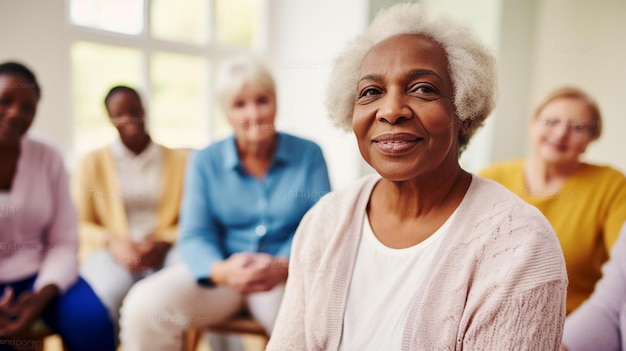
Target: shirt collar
[122, 153]
[231, 159]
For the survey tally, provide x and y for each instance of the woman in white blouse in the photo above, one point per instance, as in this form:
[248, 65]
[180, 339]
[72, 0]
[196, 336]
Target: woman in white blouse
[128, 196]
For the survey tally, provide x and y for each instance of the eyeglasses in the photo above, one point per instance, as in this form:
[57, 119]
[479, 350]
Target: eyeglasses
[577, 128]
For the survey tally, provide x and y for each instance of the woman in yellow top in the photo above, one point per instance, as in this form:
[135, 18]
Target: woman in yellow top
[585, 203]
[127, 195]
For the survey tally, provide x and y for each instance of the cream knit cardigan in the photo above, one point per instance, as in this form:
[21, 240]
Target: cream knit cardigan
[499, 283]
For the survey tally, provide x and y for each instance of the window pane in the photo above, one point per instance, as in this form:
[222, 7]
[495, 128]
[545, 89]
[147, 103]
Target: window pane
[178, 107]
[121, 16]
[95, 69]
[237, 21]
[181, 20]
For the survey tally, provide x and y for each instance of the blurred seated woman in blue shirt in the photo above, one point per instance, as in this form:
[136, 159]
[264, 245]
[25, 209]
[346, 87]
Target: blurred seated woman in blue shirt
[244, 197]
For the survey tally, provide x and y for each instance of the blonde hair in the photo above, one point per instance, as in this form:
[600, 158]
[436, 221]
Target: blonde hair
[472, 67]
[234, 73]
[570, 92]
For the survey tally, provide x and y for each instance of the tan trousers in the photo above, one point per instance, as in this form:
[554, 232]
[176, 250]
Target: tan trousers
[158, 309]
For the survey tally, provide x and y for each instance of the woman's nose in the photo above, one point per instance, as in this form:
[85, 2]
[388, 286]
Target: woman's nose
[562, 129]
[13, 111]
[394, 107]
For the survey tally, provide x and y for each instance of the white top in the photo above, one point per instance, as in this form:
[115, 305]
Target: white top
[140, 178]
[382, 285]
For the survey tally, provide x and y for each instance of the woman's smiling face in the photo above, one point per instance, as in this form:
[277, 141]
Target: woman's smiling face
[404, 115]
[562, 131]
[18, 105]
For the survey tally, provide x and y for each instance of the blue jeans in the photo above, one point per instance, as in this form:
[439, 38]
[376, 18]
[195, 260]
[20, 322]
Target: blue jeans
[77, 316]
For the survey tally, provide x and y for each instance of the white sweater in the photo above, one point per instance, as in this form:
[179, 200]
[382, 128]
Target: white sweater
[499, 283]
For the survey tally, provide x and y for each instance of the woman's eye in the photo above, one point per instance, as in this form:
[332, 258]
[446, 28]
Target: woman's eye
[370, 92]
[551, 122]
[579, 128]
[424, 89]
[263, 100]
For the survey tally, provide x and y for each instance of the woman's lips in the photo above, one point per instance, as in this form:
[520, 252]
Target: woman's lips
[396, 143]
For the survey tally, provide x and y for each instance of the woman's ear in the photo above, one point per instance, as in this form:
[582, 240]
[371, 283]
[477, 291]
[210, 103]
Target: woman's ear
[464, 127]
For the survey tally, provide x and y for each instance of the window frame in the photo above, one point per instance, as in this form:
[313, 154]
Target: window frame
[212, 53]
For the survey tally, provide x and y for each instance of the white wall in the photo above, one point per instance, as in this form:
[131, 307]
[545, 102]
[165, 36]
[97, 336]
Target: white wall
[515, 57]
[33, 32]
[304, 38]
[582, 43]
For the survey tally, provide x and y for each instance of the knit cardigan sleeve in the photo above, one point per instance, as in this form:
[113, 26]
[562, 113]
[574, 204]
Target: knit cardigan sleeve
[512, 285]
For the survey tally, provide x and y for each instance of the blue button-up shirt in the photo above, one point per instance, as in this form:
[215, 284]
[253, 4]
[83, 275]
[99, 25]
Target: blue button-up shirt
[226, 210]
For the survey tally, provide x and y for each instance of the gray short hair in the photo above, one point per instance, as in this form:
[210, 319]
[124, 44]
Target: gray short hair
[472, 67]
[235, 72]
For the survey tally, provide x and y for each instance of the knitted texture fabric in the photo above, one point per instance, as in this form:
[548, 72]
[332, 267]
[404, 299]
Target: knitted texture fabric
[498, 283]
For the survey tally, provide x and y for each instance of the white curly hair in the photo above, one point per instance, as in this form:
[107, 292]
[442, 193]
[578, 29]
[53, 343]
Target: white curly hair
[472, 67]
[235, 72]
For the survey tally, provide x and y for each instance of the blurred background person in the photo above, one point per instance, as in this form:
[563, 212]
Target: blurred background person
[244, 197]
[599, 324]
[38, 233]
[584, 202]
[421, 255]
[128, 198]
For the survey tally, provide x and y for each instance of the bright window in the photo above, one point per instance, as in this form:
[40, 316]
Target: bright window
[167, 50]
[121, 16]
[181, 20]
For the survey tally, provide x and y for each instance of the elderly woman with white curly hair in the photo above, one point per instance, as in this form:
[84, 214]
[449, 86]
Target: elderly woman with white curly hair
[422, 255]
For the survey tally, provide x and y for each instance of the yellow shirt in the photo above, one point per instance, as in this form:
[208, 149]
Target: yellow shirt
[587, 214]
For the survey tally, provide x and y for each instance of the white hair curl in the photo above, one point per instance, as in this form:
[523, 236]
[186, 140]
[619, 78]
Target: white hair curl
[472, 67]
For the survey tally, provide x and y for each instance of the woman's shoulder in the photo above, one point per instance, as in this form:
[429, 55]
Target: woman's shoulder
[42, 156]
[504, 230]
[297, 142]
[359, 190]
[490, 204]
[599, 171]
[341, 205]
[41, 148]
[175, 154]
[215, 150]
[335, 217]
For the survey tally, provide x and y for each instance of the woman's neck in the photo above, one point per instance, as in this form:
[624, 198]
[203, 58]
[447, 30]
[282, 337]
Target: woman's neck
[544, 178]
[139, 146]
[413, 199]
[257, 157]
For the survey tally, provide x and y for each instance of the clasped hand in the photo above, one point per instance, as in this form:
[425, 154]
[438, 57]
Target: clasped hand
[250, 272]
[138, 257]
[18, 313]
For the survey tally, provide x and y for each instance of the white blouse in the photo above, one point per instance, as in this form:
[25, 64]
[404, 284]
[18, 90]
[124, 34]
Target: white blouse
[140, 179]
[381, 288]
